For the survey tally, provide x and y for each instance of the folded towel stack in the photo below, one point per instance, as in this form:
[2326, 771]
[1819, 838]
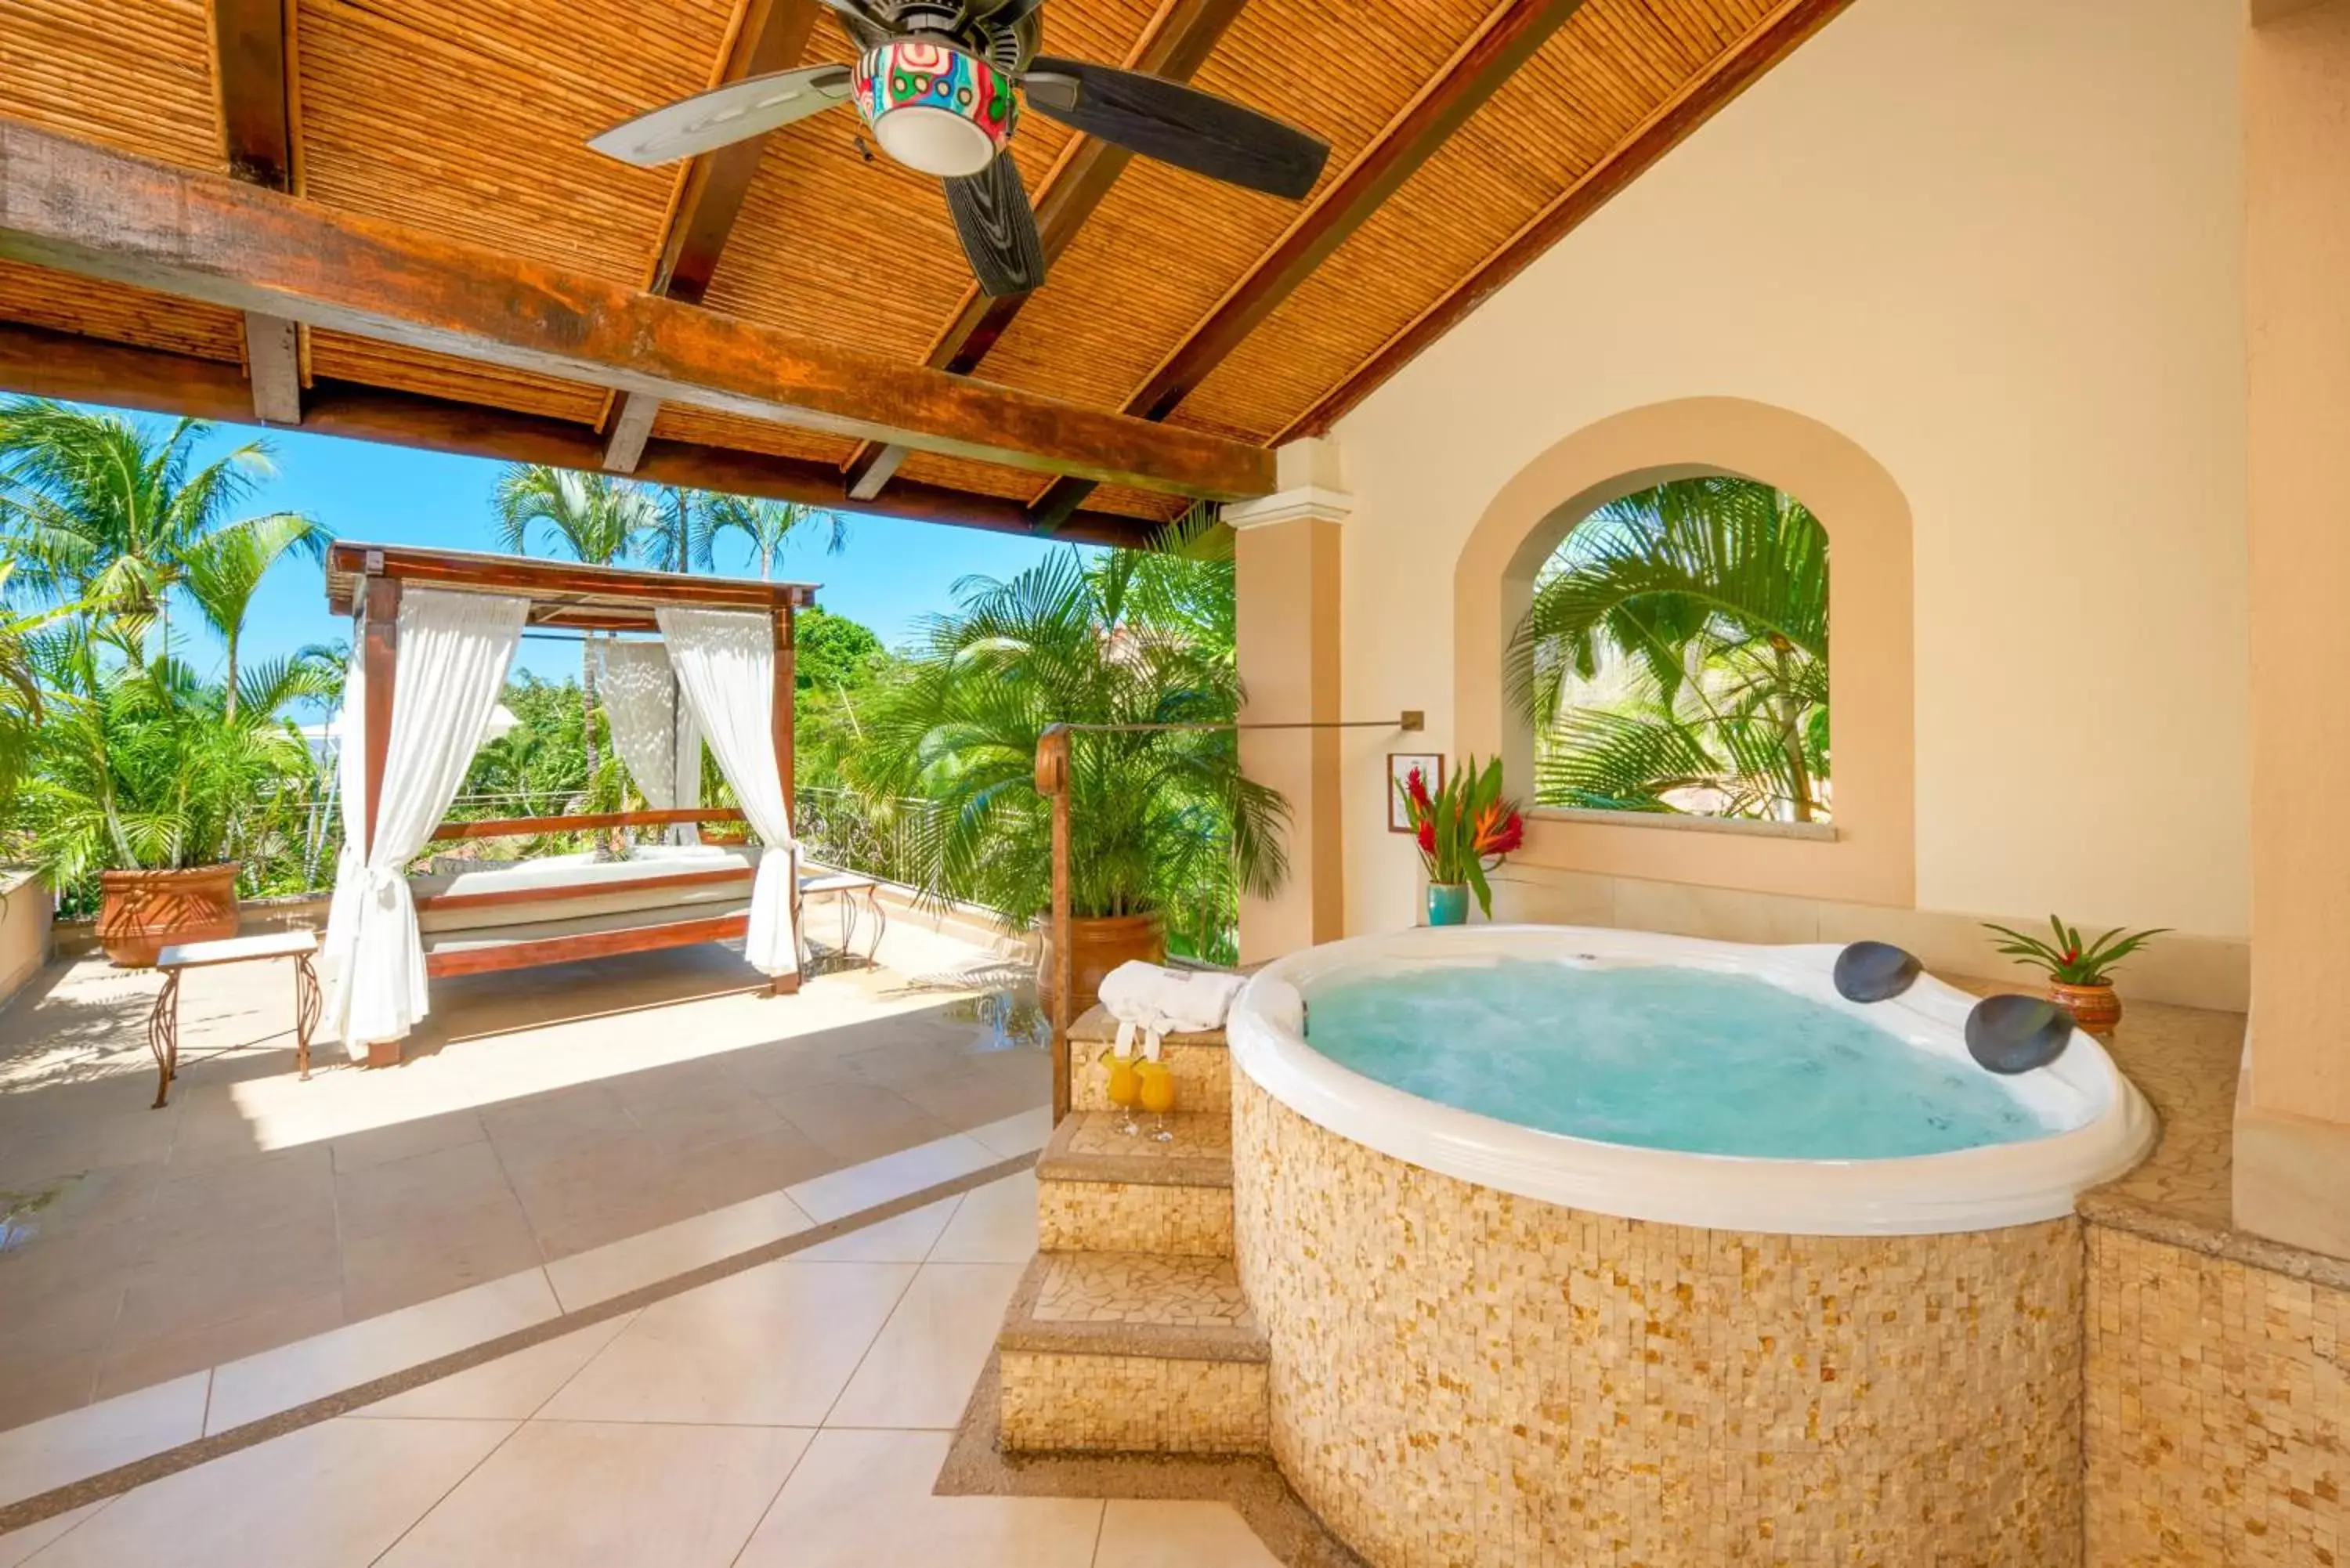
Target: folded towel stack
[1154, 1000]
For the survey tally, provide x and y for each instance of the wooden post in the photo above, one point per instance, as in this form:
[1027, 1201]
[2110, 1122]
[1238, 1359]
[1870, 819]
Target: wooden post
[1053, 782]
[786, 678]
[379, 671]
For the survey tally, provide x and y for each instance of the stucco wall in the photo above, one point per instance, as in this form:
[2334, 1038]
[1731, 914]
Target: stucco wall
[1996, 245]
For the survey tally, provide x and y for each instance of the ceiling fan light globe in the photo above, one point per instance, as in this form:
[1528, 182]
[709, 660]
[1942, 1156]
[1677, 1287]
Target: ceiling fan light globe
[934, 140]
[933, 107]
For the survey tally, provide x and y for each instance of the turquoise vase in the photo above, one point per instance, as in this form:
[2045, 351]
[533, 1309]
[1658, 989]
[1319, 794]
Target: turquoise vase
[1448, 903]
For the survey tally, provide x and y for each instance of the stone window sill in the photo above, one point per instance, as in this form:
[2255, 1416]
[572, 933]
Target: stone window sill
[1810, 832]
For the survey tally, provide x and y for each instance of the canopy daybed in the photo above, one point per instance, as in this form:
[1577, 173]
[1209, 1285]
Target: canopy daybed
[435, 634]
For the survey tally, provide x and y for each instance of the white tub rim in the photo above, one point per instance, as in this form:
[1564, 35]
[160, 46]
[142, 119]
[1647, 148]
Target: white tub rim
[2106, 1125]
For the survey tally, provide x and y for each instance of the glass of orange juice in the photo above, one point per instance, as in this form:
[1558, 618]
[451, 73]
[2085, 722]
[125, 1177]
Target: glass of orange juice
[1124, 1088]
[1158, 1096]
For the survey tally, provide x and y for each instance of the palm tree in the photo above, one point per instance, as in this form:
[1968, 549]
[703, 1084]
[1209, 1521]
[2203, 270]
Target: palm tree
[225, 568]
[107, 511]
[1163, 819]
[672, 543]
[767, 524]
[1703, 603]
[591, 517]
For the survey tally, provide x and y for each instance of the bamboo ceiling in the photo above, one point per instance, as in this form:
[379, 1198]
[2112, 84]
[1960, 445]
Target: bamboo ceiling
[466, 119]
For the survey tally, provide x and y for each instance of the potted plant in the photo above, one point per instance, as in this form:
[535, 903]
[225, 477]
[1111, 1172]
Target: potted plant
[145, 783]
[1464, 829]
[2079, 973]
[1165, 831]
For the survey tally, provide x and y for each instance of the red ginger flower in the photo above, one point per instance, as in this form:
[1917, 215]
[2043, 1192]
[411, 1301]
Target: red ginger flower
[1417, 787]
[1427, 835]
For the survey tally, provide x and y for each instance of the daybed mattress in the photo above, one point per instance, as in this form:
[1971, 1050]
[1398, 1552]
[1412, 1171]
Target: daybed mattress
[564, 873]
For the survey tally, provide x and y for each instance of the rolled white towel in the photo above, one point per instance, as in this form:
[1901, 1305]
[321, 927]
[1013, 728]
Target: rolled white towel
[1154, 1000]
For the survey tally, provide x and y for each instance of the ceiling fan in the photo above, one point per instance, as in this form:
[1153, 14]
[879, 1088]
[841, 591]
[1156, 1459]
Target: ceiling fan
[936, 84]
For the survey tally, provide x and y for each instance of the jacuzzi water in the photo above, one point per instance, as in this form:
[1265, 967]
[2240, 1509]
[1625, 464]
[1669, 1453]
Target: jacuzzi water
[1660, 1056]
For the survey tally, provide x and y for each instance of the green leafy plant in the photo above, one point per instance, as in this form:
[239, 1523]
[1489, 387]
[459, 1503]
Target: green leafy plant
[1675, 657]
[1162, 819]
[1465, 828]
[2067, 958]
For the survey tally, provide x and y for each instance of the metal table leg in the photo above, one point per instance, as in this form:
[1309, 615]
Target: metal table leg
[307, 1005]
[163, 1037]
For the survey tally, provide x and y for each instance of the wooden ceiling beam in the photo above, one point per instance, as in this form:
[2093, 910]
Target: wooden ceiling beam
[768, 35]
[1175, 44]
[251, 69]
[1697, 99]
[1507, 38]
[44, 364]
[80, 208]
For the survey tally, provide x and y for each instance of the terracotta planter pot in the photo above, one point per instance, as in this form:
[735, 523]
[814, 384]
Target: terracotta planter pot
[2095, 1008]
[1098, 946]
[140, 913]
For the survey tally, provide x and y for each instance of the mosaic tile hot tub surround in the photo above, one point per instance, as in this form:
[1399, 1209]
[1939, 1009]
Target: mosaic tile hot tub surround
[1461, 1375]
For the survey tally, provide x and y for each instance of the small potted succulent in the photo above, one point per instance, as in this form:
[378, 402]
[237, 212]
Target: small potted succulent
[2079, 973]
[1464, 829]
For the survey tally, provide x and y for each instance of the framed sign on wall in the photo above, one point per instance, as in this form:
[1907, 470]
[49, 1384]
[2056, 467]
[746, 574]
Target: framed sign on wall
[1401, 764]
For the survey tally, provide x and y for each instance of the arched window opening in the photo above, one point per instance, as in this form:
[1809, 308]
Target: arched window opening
[1675, 658]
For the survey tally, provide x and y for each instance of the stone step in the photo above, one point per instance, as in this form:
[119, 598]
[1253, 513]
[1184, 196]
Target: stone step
[1132, 1352]
[1102, 1190]
[1202, 1067]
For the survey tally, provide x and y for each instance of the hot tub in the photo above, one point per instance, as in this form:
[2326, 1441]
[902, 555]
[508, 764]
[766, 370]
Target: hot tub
[1701, 1324]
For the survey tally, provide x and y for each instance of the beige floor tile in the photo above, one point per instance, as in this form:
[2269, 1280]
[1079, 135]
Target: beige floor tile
[1025, 1132]
[511, 1387]
[716, 1174]
[36, 1384]
[576, 1495]
[18, 1545]
[198, 1273]
[328, 1496]
[78, 1443]
[130, 1363]
[921, 1370]
[995, 1224]
[773, 1345]
[617, 1266]
[843, 1192]
[1178, 1535]
[858, 1499]
[403, 1140]
[906, 1239]
[343, 1358]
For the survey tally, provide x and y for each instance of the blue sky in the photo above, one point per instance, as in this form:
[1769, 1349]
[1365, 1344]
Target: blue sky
[890, 574]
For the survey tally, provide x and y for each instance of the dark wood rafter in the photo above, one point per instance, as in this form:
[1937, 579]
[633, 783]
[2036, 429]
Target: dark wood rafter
[71, 205]
[1508, 38]
[624, 597]
[768, 35]
[250, 66]
[46, 364]
[1176, 45]
[1728, 74]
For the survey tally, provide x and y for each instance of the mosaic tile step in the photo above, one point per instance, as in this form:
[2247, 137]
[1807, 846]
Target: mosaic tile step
[1203, 1069]
[1132, 1304]
[1092, 1216]
[1051, 1403]
[1088, 1146]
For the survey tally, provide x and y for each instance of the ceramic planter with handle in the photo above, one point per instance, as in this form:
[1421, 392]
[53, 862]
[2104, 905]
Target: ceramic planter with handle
[140, 913]
[1099, 945]
[2096, 1009]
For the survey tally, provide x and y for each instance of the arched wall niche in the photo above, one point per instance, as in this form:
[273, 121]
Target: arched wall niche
[1870, 856]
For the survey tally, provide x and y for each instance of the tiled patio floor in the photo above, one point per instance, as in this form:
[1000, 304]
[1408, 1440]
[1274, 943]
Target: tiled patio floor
[255, 1210]
[795, 1414]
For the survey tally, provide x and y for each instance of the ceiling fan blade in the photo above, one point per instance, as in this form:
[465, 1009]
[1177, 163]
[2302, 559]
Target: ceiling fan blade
[1178, 125]
[735, 112]
[998, 228]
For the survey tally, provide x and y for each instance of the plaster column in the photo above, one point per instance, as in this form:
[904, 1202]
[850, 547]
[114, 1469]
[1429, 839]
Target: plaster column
[1285, 550]
[2293, 1110]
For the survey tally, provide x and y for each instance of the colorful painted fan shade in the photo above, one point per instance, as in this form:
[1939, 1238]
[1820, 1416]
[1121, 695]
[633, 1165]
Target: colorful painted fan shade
[933, 107]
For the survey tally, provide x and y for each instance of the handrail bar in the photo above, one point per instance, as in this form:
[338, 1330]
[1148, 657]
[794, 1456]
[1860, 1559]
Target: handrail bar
[531, 827]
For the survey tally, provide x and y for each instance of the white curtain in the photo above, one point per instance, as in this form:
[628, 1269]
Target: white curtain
[655, 733]
[454, 649]
[725, 664]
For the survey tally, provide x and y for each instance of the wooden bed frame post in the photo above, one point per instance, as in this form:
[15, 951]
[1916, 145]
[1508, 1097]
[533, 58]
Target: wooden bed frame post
[1053, 781]
[379, 671]
[786, 677]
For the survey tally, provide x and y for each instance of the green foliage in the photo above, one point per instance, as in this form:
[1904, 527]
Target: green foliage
[1160, 819]
[832, 651]
[766, 526]
[1703, 604]
[2067, 959]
